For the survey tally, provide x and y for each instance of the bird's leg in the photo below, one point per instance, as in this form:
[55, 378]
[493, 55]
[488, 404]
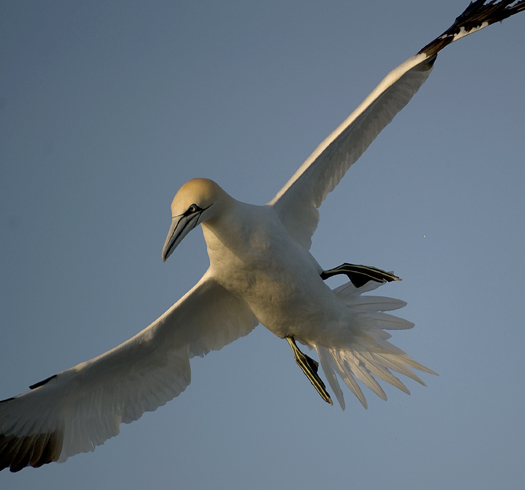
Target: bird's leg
[309, 367]
[359, 275]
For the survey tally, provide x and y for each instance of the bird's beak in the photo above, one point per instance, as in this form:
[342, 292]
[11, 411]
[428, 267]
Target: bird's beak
[181, 225]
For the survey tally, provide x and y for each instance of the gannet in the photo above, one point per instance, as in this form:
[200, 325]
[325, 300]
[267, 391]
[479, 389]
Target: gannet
[261, 271]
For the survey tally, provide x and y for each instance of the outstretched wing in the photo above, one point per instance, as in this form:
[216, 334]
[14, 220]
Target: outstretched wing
[297, 202]
[82, 407]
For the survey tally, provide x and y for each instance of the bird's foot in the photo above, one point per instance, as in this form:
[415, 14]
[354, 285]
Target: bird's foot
[310, 368]
[359, 275]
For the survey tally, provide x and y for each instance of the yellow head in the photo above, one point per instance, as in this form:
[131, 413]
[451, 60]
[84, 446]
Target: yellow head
[196, 201]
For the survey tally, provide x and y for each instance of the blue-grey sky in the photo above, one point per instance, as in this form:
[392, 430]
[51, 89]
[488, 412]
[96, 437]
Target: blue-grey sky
[107, 108]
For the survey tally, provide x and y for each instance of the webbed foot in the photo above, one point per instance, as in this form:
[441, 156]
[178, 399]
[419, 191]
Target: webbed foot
[359, 275]
[310, 368]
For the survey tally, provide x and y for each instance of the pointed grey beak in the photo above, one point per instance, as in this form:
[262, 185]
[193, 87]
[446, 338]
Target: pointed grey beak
[181, 225]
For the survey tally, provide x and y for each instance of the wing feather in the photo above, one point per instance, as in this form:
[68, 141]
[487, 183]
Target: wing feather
[84, 406]
[297, 202]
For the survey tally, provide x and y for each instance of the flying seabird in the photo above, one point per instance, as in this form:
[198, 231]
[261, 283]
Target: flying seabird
[261, 271]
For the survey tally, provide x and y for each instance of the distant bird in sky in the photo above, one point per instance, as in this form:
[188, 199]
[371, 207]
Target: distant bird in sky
[261, 271]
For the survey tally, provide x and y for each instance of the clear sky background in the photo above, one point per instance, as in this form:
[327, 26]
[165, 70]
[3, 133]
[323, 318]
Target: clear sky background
[107, 108]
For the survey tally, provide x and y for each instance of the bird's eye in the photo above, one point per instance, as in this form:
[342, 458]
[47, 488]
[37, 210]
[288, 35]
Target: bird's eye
[192, 210]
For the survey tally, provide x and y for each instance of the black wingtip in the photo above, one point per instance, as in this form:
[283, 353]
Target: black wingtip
[479, 14]
[42, 383]
[17, 453]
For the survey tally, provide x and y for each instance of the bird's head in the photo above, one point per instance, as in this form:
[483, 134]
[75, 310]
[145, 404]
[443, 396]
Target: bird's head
[195, 202]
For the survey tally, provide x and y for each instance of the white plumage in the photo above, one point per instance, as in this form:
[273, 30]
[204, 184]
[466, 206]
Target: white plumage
[260, 271]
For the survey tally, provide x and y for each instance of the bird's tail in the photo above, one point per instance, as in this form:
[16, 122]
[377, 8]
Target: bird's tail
[369, 354]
